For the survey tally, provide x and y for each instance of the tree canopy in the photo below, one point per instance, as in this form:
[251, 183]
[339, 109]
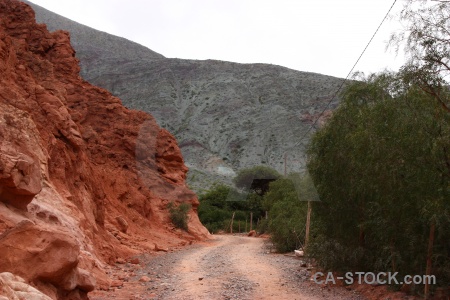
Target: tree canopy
[381, 168]
[426, 42]
[256, 179]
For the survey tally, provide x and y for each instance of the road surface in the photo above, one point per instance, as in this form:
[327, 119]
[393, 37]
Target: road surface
[227, 267]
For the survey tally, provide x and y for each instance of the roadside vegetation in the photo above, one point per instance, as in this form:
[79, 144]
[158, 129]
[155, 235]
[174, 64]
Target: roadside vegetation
[263, 201]
[237, 209]
[381, 165]
[179, 215]
[381, 168]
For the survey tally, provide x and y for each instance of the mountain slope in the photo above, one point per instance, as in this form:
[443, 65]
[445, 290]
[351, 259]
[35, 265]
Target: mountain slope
[90, 43]
[226, 116]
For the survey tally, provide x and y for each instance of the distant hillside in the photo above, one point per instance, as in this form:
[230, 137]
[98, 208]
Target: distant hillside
[92, 44]
[225, 116]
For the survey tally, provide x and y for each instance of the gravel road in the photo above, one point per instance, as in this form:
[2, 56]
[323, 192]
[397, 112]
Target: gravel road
[227, 267]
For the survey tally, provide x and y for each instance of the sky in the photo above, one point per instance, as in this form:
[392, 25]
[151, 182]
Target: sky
[321, 36]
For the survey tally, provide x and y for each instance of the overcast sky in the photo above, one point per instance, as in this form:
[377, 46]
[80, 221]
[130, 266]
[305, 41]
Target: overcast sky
[322, 36]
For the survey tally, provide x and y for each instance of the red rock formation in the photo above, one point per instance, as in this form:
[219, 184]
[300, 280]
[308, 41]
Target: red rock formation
[75, 166]
[20, 180]
[14, 287]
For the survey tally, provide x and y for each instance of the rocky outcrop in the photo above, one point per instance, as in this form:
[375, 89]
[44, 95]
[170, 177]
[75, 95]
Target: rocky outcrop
[226, 116]
[15, 288]
[20, 179]
[41, 254]
[84, 181]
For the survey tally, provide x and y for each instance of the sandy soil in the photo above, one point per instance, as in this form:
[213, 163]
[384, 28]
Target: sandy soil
[227, 267]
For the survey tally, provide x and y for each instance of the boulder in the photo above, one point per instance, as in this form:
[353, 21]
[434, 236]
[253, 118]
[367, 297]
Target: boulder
[49, 255]
[122, 224]
[79, 279]
[116, 283]
[20, 174]
[144, 279]
[13, 287]
[157, 248]
[252, 233]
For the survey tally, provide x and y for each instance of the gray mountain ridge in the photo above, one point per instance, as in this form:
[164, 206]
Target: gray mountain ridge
[226, 116]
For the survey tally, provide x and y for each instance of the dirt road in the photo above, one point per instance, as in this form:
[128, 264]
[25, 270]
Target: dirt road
[233, 267]
[228, 267]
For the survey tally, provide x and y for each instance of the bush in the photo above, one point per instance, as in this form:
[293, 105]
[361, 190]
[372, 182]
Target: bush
[263, 226]
[286, 202]
[287, 224]
[179, 215]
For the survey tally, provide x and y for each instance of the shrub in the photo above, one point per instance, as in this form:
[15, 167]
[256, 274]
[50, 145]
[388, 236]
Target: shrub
[287, 224]
[263, 226]
[179, 215]
[286, 203]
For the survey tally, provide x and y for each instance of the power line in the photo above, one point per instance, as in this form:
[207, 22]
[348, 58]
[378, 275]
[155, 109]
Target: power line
[346, 78]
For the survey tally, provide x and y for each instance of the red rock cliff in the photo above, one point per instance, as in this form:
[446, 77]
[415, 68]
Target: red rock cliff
[83, 180]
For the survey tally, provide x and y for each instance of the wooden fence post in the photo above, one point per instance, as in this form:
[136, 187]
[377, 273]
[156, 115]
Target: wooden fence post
[231, 225]
[308, 223]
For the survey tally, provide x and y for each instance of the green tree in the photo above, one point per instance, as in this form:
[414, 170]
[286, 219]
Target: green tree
[213, 209]
[256, 179]
[279, 190]
[426, 42]
[381, 165]
[287, 212]
[380, 168]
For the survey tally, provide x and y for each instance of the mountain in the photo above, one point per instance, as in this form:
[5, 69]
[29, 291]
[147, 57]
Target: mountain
[89, 43]
[84, 181]
[226, 116]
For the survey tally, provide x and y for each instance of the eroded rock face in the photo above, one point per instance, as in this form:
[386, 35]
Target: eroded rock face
[20, 179]
[70, 166]
[169, 159]
[20, 173]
